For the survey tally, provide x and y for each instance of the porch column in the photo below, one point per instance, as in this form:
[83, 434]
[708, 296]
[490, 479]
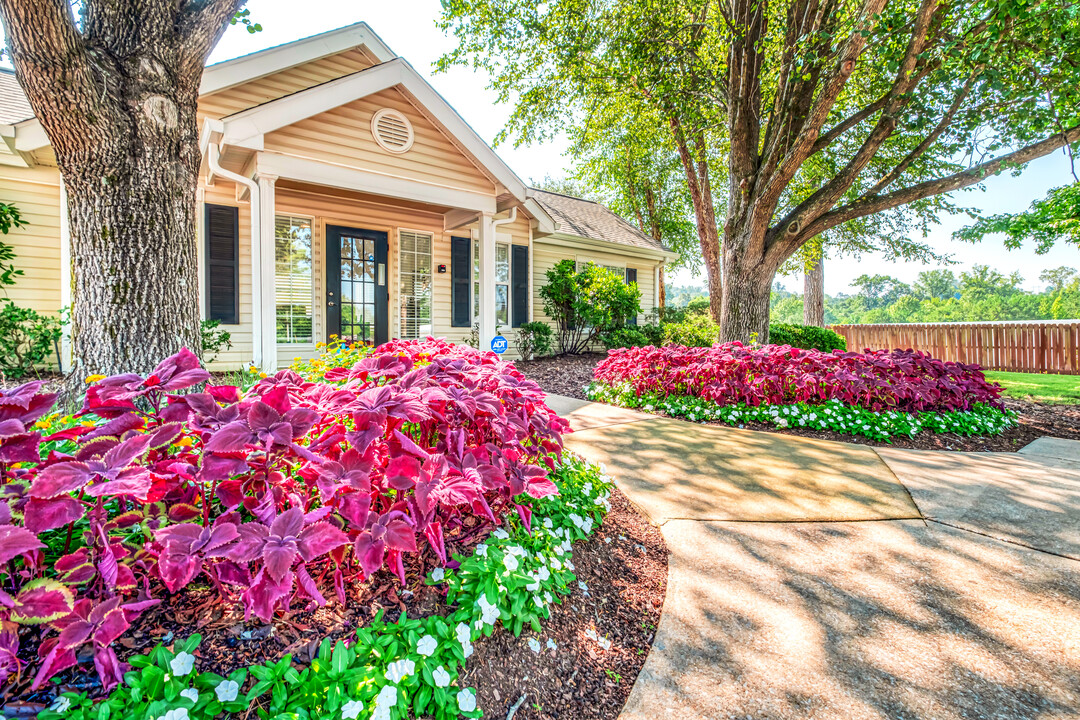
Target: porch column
[65, 277]
[487, 280]
[264, 305]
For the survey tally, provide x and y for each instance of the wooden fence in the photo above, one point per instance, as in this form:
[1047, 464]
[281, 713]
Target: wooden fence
[1034, 347]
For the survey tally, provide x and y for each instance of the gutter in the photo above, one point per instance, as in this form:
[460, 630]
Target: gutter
[213, 157]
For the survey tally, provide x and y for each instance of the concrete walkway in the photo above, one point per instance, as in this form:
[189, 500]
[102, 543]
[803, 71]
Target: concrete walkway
[810, 579]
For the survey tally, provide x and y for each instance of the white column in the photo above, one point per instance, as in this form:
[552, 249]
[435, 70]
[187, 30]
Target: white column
[262, 281]
[65, 275]
[487, 280]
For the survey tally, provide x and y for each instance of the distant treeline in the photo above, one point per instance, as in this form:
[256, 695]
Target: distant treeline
[936, 296]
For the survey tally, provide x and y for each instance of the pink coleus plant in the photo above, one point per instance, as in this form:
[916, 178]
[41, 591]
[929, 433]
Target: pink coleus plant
[284, 494]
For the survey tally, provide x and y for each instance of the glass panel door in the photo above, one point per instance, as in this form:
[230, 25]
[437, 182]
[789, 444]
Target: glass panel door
[357, 292]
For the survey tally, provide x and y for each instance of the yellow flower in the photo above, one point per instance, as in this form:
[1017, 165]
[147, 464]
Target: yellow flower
[94, 378]
[185, 442]
[262, 375]
[87, 423]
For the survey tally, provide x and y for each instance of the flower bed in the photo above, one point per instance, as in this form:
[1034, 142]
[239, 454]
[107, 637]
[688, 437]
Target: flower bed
[278, 498]
[878, 394]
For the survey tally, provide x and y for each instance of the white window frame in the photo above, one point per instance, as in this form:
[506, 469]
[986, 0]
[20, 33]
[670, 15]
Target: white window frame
[581, 260]
[397, 279]
[474, 307]
[314, 282]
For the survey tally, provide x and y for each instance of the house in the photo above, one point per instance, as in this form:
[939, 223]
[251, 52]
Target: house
[340, 195]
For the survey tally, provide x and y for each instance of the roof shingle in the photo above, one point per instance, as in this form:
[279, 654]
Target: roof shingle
[589, 219]
[14, 107]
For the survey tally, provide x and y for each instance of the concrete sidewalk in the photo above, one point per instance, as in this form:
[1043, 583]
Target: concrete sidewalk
[810, 579]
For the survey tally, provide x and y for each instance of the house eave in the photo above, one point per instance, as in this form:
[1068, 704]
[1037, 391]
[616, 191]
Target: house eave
[563, 239]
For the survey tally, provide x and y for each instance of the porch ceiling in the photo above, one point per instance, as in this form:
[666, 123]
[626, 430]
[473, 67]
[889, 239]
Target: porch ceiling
[361, 197]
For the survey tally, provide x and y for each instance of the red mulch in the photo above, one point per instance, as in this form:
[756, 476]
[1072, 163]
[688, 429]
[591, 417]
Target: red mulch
[568, 375]
[626, 579]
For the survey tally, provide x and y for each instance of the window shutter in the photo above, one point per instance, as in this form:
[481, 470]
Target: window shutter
[631, 277]
[519, 280]
[223, 264]
[460, 282]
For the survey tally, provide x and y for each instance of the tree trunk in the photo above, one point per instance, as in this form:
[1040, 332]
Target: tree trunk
[663, 289]
[814, 293]
[117, 97]
[748, 278]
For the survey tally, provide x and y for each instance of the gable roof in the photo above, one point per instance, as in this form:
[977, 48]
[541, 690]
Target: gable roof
[14, 107]
[589, 219]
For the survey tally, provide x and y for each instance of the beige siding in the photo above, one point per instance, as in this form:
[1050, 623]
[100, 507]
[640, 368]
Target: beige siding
[343, 136]
[233, 100]
[547, 255]
[36, 194]
[242, 351]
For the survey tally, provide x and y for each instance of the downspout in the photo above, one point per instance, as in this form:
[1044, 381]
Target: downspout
[212, 157]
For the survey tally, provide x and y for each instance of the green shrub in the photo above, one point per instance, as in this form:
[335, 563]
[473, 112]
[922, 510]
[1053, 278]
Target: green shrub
[624, 338]
[28, 340]
[806, 337]
[698, 306]
[694, 331]
[534, 339]
[214, 340]
[586, 303]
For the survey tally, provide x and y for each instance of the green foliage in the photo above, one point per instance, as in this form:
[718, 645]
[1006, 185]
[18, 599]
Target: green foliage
[586, 303]
[693, 331]
[9, 218]
[214, 339]
[831, 415]
[807, 337]
[1055, 217]
[534, 339]
[1039, 387]
[28, 339]
[626, 337]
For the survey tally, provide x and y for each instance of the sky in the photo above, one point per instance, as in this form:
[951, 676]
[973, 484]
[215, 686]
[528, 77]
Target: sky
[408, 27]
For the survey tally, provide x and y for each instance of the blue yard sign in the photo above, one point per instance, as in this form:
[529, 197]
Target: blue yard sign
[499, 344]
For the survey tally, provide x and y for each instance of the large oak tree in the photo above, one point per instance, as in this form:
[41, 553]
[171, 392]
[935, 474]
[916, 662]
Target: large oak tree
[115, 89]
[827, 111]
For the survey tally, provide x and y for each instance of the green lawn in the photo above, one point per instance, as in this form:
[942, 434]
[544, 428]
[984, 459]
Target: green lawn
[1055, 389]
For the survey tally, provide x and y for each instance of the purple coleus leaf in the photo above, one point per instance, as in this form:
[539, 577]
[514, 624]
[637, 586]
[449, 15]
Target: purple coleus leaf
[187, 545]
[16, 541]
[18, 445]
[42, 601]
[24, 403]
[264, 425]
[40, 514]
[287, 540]
[111, 473]
[391, 530]
[353, 470]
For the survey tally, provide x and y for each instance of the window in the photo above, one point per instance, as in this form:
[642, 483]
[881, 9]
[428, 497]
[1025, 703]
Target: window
[502, 283]
[415, 284]
[293, 281]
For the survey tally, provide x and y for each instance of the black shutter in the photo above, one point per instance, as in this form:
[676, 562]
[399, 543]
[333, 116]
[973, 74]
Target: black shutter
[519, 285]
[223, 264]
[460, 282]
[631, 277]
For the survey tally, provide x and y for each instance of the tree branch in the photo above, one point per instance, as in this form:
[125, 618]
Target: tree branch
[870, 204]
[201, 24]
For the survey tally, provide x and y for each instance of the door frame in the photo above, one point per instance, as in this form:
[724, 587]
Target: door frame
[333, 279]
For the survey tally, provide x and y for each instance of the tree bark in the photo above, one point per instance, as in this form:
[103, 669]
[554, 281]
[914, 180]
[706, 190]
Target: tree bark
[117, 99]
[814, 293]
[748, 278]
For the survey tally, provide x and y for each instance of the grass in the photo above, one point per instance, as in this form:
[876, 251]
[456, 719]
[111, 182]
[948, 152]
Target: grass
[1052, 389]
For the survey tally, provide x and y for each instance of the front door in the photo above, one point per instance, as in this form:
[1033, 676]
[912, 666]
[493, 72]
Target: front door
[357, 293]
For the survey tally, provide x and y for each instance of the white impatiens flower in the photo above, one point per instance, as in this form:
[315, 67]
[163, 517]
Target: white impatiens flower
[61, 704]
[175, 714]
[400, 669]
[351, 710]
[466, 700]
[440, 677]
[227, 690]
[438, 574]
[191, 694]
[534, 645]
[466, 649]
[551, 644]
[587, 488]
[385, 702]
[463, 633]
[427, 645]
[501, 534]
[543, 574]
[481, 550]
[537, 601]
[533, 586]
[182, 664]
[548, 524]
[489, 613]
[511, 562]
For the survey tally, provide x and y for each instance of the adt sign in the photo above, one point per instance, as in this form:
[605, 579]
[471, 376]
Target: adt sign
[499, 344]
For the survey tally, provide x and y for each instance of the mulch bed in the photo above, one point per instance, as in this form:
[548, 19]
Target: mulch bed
[569, 374]
[624, 566]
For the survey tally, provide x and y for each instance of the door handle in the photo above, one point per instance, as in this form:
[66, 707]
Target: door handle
[330, 304]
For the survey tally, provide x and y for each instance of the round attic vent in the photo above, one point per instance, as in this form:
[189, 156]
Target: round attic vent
[392, 130]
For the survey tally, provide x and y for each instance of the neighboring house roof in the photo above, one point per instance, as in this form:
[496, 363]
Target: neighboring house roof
[588, 219]
[14, 107]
